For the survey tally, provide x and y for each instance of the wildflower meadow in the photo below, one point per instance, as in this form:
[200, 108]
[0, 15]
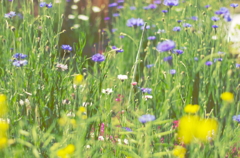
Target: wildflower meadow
[119, 79]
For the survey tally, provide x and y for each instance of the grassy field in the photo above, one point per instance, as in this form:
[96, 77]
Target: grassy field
[167, 84]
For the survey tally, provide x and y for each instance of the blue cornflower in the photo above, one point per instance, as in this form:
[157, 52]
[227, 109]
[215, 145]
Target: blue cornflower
[67, 47]
[170, 3]
[179, 21]
[19, 56]
[214, 26]
[127, 129]
[10, 14]
[151, 38]
[225, 12]
[49, 5]
[214, 18]
[152, 6]
[112, 5]
[178, 51]
[107, 18]
[132, 8]
[120, 1]
[120, 7]
[168, 58]
[208, 63]
[147, 27]
[150, 65]
[146, 118]
[157, 2]
[234, 5]
[218, 59]
[196, 58]
[187, 25]
[42, 4]
[118, 50]
[172, 71]
[194, 18]
[165, 46]
[19, 63]
[207, 6]
[164, 11]
[146, 90]
[145, 8]
[135, 22]
[236, 118]
[98, 57]
[116, 14]
[237, 65]
[177, 29]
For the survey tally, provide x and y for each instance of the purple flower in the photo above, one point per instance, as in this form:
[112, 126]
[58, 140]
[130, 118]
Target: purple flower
[196, 58]
[135, 22]
[225, 12]
[170, 3]
[165, 46]
[237, 65]
[112, 5]
[150, 65]
[19, 56]
[152, 6]
[172, 71]
[236, 118]
[168, 58]
[127, 129]
[132, 8]
[120, 1]
[49, 5]
[10, 14]
[214, 18]
[157, 2]
[194, 18]
[121, 36]
[221, 53]
[187, 25]
[146, 118]
[208, 63]
[218, 59]
[107, 18]
[120, 7]
[67, 47]
[118, 50]
[116, 14]
[214, 26]
[98, 57]
[151, 38]
[207, 6]
[179, 21]
[42, 4]
[178, 51]
[164, 11]
[234, 5]
[147, 27]
[146, 90]
[177, 29]
[19, 63]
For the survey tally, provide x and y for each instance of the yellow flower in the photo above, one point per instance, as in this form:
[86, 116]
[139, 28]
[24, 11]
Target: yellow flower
[68, 150]
[191, 108]
[227, 96]
[187, 128]
[207, 129]
[77, 79]
[82, 109]
[3, 105]
[3, 142]
[179, 151]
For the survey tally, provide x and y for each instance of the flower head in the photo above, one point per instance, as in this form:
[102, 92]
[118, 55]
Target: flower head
[178, 51]
[214, 18]
[49, 5]
[172, 71]
[227, 96]
[146, 90]
[67, 47]
[165, 46]
[208, 63]
[19, 56]
[42, 4]
[135, 22]
[151, 38]
[179, 151]
[214, 26]
[118, 50]
[177, 29]
[112, 5]
[146, 118]
[194, 18]
[122, 77]
[234, 5]
[187, 25]
[107, 91]
[10, 14]
[77, 80]
[170, 3]
[236, 118]
[191, 108]
[98, 57]
[19, 63]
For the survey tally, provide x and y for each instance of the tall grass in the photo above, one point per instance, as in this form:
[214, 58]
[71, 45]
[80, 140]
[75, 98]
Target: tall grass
[51, 117]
